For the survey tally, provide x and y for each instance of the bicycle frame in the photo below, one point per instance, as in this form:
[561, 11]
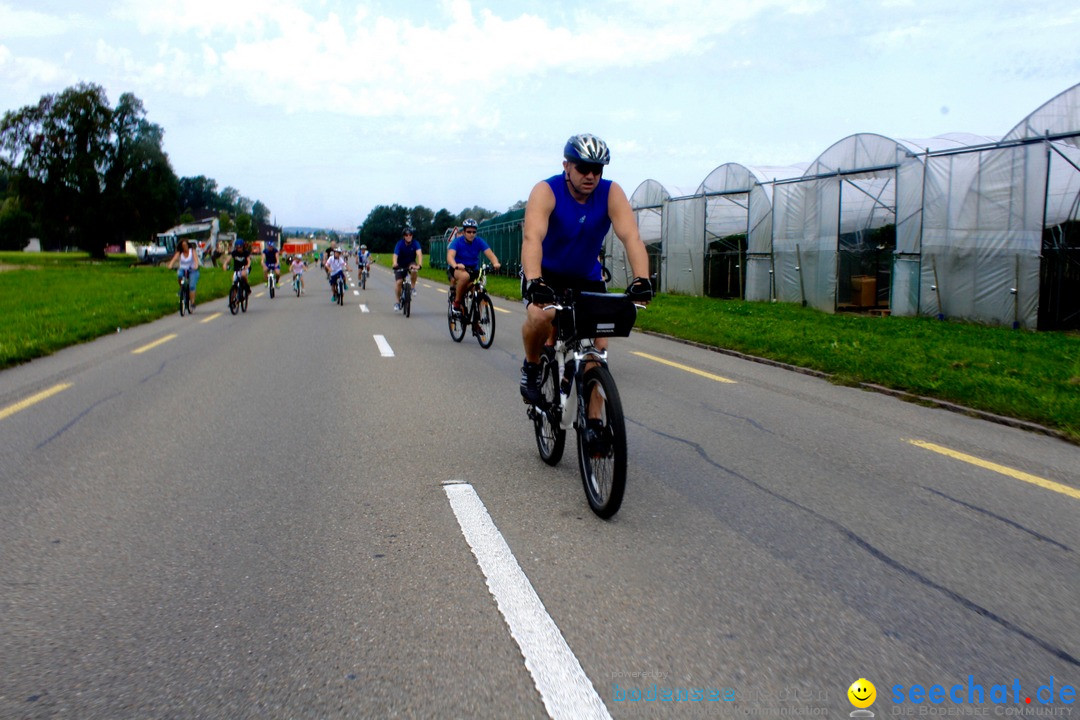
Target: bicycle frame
[583, 352]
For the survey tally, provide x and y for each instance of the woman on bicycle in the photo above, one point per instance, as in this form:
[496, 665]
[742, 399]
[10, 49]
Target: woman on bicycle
[463, 257]
[188, 260]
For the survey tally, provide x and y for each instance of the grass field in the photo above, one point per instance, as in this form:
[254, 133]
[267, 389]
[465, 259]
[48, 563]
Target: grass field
[50, 301]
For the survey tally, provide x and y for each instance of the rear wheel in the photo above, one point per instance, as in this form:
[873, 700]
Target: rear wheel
[550, 435]
[234, 299]
[454, 322]
[484, 319]
[602, 450]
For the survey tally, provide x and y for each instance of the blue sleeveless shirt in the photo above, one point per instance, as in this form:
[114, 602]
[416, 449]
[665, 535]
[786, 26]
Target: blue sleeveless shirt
[576, 231]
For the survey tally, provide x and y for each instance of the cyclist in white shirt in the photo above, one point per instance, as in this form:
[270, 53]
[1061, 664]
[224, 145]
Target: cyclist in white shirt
[335, 266]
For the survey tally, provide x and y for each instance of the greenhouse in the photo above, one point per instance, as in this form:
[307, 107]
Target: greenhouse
[1001, 238]
[846, 233]
[648, 202]
[959, 225]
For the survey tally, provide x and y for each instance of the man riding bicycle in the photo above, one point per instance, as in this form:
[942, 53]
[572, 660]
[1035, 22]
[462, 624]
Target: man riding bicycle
[270, 260]
[335, 268]
[408, 258]
[567, 217]
[462, 260]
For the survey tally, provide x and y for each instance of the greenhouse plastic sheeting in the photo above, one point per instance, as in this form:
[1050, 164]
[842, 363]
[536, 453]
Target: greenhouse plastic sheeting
[985, 212]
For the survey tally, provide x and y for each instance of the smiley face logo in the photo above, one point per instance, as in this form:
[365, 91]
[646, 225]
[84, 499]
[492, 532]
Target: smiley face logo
[862, 693]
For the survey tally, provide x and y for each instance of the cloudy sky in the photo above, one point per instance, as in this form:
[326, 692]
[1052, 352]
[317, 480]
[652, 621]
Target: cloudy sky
[323, 109]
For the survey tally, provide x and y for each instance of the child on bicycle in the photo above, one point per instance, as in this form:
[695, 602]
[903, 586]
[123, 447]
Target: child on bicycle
[297, 269]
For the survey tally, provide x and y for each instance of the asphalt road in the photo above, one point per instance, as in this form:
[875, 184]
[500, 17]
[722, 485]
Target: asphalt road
[252, 516]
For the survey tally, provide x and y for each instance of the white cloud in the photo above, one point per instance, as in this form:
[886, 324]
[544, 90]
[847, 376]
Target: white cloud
[18, 23]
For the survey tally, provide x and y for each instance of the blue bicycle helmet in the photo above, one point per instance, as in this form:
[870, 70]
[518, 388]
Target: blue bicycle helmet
[470, 223]
[586, 148]
[239, 243]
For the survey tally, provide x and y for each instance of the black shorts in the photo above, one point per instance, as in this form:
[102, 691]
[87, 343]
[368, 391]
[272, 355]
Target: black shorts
[399, 273]
[560, 283]
[474, 273]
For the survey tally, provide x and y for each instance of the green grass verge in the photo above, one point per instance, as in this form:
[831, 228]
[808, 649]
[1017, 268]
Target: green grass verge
[57, 300]
[49, 301]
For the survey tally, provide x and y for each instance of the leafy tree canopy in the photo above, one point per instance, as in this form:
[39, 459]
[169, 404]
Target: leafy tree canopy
[87, 174]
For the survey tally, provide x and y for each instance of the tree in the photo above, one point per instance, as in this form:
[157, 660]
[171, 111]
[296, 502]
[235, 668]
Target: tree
[477, 213]
[197, 193]
[141, 189]
[422, 221]
[260, 212]
[382, 228]
[246, 228]
[16, 225]
[86, 173]
[444, 220]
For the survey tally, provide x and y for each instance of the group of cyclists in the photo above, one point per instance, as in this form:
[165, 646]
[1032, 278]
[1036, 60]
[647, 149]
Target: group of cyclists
[186, 262]
[567, 218]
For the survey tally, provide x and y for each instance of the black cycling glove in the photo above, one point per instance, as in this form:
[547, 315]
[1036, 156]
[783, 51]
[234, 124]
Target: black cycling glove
[640, 290]
[537, 292]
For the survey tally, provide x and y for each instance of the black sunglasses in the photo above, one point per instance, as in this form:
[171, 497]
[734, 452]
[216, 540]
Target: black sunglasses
[589, 168]
[470, 232]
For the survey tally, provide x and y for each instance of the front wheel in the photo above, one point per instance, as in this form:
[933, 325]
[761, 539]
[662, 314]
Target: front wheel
[341, 292]
[234, 299]
[484, 321]
[363, 280]
[296, 287]
[456, 323]
[244, 299]
[602, 445]
[550, 434]
[406, 299]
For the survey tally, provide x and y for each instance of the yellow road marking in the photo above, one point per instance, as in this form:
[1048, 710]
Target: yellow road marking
[212, 317]
[688, 369]
[33, 399]
[499, 309]
[1004, 470]
[162, 341]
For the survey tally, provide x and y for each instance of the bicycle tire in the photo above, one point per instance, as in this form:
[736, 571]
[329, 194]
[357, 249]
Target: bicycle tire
[483, 315]
[183, 300]
[363, 280]
[603, 470]
[244, 300]
[406, 299]
[234, 299]
[550, 434]
[296, 287]
[455, 323]
[340, 292]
